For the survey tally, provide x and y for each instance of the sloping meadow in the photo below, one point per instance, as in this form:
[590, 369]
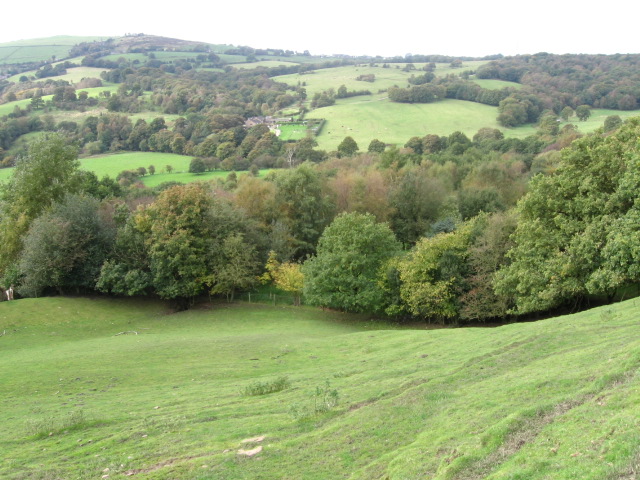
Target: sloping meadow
[104, 388]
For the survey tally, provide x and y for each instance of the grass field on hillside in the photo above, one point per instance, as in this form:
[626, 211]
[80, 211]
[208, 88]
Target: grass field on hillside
[186, 177]
[598, 116]
[7, 108]
[39, 49]
[366, 118]
[265, 63]
[73, 75]
[325, 78]
[232, 58]
[112, 164]
[120, 387]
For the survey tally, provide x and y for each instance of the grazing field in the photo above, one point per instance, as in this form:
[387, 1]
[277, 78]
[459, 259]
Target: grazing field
[292, 131]
[112, 164]
[40, 49]
[232, 58]
[73, 75]
[31, 53]
[326, 78]
[66, 40]
[123, 387]
[366, 118]
[598, 116]
[265, 64]
[77, 116]
[7, 108]
[186, 177]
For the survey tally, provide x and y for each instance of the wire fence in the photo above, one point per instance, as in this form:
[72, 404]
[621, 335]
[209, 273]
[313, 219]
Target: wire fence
[270, 298]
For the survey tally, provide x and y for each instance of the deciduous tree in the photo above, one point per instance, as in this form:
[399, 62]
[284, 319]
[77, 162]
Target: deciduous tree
[344, 273]
[347, 147]
[44, 176]
[577, 230]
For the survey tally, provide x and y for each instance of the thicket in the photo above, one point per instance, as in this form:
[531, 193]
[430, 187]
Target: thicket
[557, 81]
[178, 242]
[451, 214]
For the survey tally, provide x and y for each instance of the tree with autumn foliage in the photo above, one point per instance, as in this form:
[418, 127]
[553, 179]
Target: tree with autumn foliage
[286, 276]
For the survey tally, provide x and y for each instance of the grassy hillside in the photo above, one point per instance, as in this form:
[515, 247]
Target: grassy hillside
[39, 49]
[94, 387]
[73, 75]
[113, 164]
[369, 117]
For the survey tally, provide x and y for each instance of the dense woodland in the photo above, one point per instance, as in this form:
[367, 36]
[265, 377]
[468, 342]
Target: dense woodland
[444, 228]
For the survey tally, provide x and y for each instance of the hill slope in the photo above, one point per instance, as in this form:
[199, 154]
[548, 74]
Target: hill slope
[96, 387]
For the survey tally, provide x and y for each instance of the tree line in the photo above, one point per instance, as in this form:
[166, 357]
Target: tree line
[446, 228]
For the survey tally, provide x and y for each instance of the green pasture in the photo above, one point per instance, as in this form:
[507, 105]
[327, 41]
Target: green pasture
[186, 177]
[325, 78]
[114, 163]
[73, 75]
[375, 117]
[232, 58]
[96, 91]
[39, 49]
[96, 387]
[265, 64]
[297, 59]
[292, 132]
[598, 116]
[76, 116]
[65, 40]
[7, 108]
[31, 53]
[443, 69]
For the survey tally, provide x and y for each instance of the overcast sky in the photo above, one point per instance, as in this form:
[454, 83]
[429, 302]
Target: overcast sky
[467, 28]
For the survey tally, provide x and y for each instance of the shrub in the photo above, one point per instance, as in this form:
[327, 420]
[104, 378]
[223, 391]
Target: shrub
[264, 388]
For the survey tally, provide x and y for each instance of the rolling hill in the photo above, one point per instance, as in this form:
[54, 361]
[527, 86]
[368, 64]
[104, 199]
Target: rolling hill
[96, 387]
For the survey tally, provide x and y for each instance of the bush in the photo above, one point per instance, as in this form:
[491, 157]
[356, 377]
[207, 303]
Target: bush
[264, 388]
